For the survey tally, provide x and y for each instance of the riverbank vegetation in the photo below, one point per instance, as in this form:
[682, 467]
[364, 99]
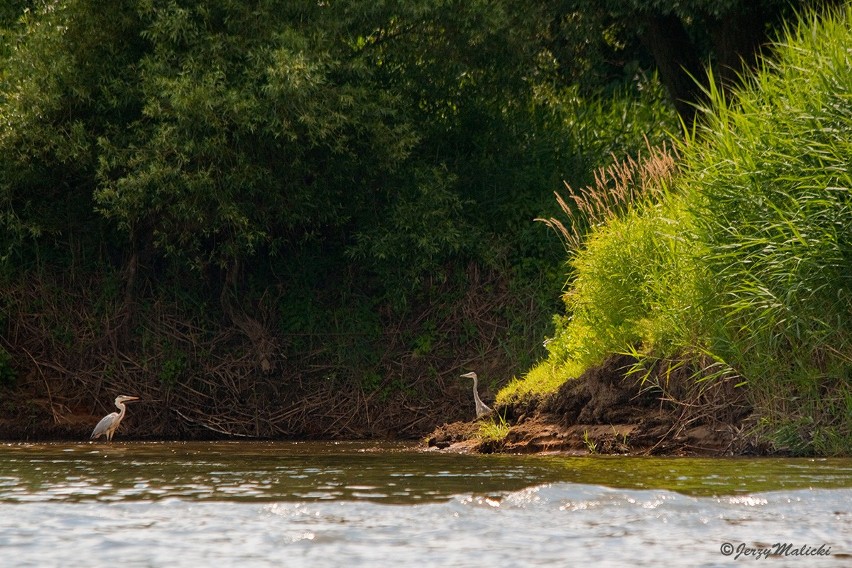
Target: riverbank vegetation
[297, 218]
[286, 218]
[729, 264]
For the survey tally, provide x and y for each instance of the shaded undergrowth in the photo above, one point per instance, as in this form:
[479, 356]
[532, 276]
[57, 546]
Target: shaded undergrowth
[73, 342]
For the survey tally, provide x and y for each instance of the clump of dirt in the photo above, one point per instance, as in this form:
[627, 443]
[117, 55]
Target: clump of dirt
[460, 435]
[606, 411]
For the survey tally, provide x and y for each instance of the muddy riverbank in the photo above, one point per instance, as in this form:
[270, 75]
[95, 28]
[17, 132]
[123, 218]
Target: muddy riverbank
[606, 412]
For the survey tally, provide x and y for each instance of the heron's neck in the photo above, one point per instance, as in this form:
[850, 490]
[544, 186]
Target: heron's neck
[121, 407]
[475, 393]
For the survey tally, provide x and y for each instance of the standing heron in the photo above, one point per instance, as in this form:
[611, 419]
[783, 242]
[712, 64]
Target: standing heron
[109, 423]
[481, 408]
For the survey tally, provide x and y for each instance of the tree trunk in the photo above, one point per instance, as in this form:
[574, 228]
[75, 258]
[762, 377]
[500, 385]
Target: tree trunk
[737, 39]
[677, 62]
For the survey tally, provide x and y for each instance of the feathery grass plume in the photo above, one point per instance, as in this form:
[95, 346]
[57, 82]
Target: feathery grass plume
[616, 187]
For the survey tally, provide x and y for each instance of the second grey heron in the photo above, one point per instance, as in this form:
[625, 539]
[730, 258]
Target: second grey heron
[109, 423]
[481, 408]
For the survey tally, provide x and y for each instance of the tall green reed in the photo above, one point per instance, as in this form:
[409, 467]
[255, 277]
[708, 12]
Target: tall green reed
[771, 191]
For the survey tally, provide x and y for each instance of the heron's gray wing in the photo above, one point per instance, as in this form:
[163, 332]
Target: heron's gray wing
[482, 409]
[104, 425]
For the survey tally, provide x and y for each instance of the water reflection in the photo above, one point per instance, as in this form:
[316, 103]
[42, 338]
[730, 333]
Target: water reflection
[395, 473]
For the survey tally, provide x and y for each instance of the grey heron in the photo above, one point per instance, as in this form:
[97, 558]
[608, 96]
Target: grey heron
[109, 423]
[481, 408]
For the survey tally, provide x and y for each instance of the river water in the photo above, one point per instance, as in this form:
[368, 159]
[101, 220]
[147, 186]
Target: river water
[361, 504]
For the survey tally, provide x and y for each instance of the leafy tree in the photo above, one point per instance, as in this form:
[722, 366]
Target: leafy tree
[257, 128]
[66, 82]
[404, 135]
[211, 131]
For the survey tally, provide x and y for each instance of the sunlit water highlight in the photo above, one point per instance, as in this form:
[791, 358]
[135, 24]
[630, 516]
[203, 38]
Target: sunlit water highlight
[350, 504]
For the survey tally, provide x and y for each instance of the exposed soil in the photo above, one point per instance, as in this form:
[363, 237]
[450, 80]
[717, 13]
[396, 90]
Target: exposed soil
[606, 412]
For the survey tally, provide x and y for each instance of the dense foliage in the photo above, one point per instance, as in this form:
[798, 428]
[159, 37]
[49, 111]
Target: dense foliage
[214, 133]
[339, 182]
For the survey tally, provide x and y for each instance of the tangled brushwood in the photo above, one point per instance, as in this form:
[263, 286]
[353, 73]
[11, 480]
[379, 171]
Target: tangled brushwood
[201, 378]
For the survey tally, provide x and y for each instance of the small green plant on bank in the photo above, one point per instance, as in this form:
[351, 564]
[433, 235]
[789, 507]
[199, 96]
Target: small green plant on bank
[591, 445]
[621, 440]
[493, 429]
[7, 371]
[173, 366]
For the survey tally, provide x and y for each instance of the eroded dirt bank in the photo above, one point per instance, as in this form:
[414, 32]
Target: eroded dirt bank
[606, 412]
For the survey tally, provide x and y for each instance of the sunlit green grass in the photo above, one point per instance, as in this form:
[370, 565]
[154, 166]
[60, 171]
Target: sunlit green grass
[740, 262]
[543, 379]
[771, 189]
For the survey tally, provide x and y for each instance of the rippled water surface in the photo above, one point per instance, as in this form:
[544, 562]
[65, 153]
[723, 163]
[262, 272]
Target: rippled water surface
[355, 504]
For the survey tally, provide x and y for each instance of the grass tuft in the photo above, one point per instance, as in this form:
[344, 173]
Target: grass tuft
[617, 187]
[494, 429]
